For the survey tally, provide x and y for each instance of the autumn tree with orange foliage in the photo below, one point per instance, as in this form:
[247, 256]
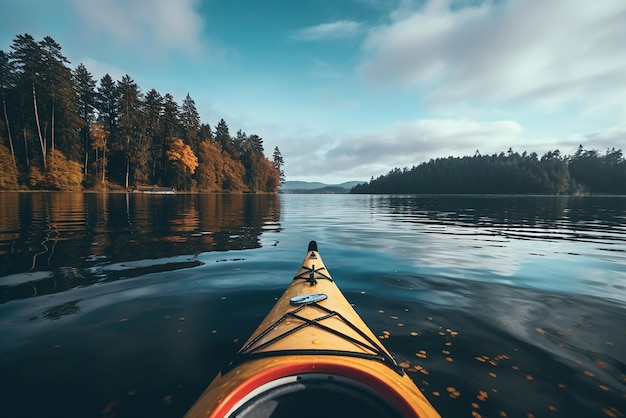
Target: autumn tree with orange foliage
[209, 176]
[8, 170]
[61, 173]
[217, 171]
[184, 162]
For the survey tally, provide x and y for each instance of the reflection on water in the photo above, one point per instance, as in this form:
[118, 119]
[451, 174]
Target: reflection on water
[598, 219]
[51, 242]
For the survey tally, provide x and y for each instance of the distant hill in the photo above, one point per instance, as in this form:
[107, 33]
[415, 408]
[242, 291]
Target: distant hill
[317, 187]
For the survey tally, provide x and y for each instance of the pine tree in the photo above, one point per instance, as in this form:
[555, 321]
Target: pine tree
[6, 84]
[85, 86]
[106, 103]
[278, 164]
[190, 123]
[131, 146]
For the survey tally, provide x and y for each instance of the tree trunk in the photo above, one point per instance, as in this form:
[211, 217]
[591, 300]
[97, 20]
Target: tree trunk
[42, 143]
[52, 130]
[127, 171]
[86, 170]
[6, 121]
[104, 160]
[26, 148]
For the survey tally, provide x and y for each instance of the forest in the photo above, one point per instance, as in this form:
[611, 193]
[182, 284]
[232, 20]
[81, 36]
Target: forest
[62, 130]
[587, 171]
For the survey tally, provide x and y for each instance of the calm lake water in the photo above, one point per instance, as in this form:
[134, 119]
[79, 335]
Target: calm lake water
[127, 305]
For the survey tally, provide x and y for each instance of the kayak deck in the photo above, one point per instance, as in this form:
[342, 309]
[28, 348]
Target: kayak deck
[312, 355]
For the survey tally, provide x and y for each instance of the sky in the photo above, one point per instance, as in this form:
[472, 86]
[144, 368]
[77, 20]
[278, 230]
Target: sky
[350, 89]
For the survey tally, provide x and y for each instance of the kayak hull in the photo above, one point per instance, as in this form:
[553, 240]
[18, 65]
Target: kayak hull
[311, 346]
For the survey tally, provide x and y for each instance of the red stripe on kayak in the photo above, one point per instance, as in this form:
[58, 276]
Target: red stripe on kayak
[280, 371]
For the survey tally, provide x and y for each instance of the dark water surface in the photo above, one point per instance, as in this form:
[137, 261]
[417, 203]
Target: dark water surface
[128, 305]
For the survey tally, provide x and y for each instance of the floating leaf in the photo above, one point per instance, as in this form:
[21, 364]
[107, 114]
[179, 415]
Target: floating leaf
[612, 412]
[453, 392]
[107, 409]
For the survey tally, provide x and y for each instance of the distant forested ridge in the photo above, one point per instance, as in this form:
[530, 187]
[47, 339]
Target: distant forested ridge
[587, 171]
[62, 130]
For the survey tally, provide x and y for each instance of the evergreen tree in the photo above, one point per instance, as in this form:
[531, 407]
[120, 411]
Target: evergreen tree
[153, 114]
[131, 145]
[85, 87]
[63, 122]
[190, 123]
[106, 103]
[171, 131]
[278, 164]
[27, 61]
[6, 85]
[222, 136]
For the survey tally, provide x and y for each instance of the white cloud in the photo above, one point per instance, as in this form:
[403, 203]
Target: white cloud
[157, 26]
[99, 69]
[549, 52]
[334, 30]
[405, 144]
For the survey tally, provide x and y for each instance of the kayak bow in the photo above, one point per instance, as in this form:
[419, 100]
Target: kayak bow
[312, 356]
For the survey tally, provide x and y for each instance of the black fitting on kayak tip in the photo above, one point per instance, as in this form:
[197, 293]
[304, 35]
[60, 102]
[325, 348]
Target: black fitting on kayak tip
[312, 246]
[311, 279]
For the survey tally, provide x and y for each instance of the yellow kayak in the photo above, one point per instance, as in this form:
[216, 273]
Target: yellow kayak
[312, 356]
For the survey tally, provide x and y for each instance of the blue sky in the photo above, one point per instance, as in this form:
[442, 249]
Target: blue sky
[349, 89]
